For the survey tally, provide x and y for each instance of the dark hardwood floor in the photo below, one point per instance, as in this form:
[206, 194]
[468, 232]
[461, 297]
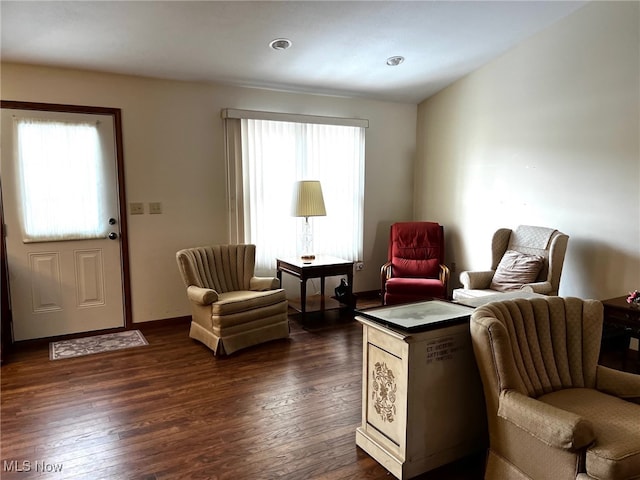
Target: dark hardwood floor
[171, 410]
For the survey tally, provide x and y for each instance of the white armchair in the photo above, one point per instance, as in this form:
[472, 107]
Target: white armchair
[527, 259]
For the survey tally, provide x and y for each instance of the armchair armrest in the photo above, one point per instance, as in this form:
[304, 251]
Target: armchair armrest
[624, 385]
[385, 271]
[543, 288]
[444, 275]
[385, 274]
[478, 279]
[263, 283]
[551, 425]
[201, 296]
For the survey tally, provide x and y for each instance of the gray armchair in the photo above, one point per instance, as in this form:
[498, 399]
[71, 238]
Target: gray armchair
[231, 308]
[527, 259]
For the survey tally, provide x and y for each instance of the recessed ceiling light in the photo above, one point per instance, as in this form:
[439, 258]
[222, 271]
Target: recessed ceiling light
[395, 61]
[280, 43]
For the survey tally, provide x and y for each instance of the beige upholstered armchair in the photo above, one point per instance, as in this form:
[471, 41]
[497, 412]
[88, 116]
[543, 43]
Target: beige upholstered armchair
[553, 412]
[528, 259]
[231, 308]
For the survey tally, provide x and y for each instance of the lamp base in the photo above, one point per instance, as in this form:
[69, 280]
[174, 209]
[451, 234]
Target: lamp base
[308, 257]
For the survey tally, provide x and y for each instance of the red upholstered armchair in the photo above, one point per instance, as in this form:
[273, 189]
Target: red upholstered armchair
[415, 269]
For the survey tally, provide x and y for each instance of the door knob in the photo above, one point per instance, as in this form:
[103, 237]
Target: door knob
[113, 236]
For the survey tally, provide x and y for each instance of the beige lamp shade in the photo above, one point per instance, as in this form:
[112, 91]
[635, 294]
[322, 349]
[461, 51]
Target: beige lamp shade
[308, 200]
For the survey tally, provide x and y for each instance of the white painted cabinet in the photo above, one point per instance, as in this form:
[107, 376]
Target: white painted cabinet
[422, 401]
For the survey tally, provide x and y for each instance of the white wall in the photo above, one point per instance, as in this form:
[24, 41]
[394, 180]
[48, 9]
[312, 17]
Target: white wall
[548, 134]
[173, 152]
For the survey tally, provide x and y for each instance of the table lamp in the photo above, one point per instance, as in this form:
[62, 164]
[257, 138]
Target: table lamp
[308, 202]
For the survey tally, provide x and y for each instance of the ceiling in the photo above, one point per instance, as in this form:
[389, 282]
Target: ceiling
[339, 47]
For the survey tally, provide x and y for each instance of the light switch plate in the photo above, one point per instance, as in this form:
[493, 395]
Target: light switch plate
[155, 208]
[136, 208]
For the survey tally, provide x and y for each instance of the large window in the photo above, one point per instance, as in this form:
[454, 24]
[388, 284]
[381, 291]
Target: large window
[267, 157]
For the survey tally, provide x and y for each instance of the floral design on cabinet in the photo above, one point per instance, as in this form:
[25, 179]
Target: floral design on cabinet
[384, 392]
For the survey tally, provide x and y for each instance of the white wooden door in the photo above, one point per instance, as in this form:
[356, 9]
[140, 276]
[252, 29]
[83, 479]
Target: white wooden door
[72, 283]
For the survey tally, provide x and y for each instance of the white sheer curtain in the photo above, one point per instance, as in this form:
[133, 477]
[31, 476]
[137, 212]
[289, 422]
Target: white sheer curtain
[273, 156]
[59, 179]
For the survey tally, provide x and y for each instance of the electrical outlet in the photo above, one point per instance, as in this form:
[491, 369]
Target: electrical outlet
[453, 267]
[155, 208]
[136, 208]
[359, 266]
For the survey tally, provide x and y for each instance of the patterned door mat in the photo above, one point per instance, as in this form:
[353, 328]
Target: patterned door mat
[78, 347]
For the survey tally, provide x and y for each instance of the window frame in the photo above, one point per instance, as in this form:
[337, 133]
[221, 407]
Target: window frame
[233, 154]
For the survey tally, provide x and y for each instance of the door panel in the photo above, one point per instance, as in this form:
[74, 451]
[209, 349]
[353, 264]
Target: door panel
[46, 287]
[89, 278]
[70, 286]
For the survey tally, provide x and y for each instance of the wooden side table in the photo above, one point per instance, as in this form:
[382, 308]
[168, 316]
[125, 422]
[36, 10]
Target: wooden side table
[321, 267]
[622, 319]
